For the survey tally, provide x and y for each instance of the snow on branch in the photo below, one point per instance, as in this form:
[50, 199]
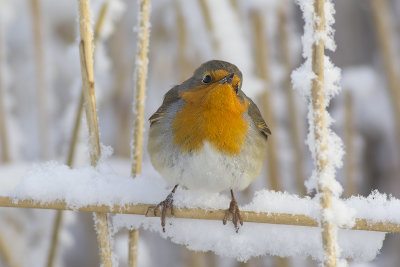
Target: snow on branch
[56, 186]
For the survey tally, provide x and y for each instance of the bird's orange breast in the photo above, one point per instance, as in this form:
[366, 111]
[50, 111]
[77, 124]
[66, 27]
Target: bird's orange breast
[211, 113]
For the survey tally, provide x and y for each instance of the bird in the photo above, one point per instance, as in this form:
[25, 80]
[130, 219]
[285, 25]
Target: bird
[208, 135]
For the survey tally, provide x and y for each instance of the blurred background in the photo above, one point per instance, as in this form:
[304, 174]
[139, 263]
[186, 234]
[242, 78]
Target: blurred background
[40, 89]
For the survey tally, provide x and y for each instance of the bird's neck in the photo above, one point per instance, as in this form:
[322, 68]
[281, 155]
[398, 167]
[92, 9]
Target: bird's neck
[214, 115]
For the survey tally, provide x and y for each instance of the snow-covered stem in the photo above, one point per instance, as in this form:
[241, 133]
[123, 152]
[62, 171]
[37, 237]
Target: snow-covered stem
[320, 134]
[261, 58]
[140, 77]
[200, 214]
[40, 79]
[6, 255]
[5, 156]
[385, 35]
[73, 142]
[290, 97]
[86, 56]
[349, 128]
[140, 85]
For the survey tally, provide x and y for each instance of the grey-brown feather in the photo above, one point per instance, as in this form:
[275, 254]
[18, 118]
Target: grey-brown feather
[170, 97]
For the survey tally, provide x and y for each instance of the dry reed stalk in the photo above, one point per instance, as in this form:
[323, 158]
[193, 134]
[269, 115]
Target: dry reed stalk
[5, 156]
[209, 23]
[123, 72]
[385, 35]
[40, 79]
[294, 128]
[8, 258]
[320, 133]
[140, 86]
[184, 71]
[235, 5]
[200, 214]
[261, 58]
[195, 258]
[86, 56]
[74, 140]
[349, 128]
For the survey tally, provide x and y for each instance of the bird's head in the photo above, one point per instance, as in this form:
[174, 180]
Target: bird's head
[215, 84]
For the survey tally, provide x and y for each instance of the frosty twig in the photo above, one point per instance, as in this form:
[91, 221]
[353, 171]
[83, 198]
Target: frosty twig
[140, 88]
[200, 214]
[320, 135]
[86, 56]
[74, 141]
[140, 85]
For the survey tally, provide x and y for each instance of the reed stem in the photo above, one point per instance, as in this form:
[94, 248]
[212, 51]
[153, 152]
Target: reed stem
[86, 56]
[320, 135]
[140, 86]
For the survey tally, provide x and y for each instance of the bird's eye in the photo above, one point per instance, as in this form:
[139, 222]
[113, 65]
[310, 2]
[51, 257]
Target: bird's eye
[207, 78]
[237, 89]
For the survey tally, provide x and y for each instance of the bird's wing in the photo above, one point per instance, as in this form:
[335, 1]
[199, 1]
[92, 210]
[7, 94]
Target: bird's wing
[258, 120]
[170, 97]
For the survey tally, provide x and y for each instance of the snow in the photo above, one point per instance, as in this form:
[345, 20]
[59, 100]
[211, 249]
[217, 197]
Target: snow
[52, 181]
[330, 151]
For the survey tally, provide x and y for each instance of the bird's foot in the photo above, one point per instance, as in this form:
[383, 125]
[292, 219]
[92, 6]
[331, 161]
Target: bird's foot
[233, 214]
[168, 203]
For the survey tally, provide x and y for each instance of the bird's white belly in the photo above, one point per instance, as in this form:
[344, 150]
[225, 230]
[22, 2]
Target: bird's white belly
[206, 169]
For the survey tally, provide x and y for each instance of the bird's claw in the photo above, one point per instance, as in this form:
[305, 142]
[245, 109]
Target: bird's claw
[168, 203]
[233, 213]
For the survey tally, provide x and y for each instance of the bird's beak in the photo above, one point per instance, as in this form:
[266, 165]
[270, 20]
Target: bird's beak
[227, 79]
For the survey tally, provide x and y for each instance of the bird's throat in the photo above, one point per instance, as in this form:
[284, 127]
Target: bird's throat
[214, 114]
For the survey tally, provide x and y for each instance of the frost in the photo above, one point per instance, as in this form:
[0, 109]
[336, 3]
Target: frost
[330, 151]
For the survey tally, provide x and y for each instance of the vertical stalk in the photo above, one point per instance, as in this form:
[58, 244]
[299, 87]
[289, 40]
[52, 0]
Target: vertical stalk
[209, 24]
[349, 128]
[72, 145]
[182, 42]
[320, 133]
[290, 98]
[140, 86]
[86, 56]
[385, 34]
[261, 58]
[40, 79]
[7, 256]
[5, 156]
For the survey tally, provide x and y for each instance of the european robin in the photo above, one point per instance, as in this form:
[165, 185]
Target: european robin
[208, 135]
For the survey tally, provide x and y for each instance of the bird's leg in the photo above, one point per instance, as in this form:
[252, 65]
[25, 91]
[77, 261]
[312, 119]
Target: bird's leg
[168, 203]
[233, 213]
